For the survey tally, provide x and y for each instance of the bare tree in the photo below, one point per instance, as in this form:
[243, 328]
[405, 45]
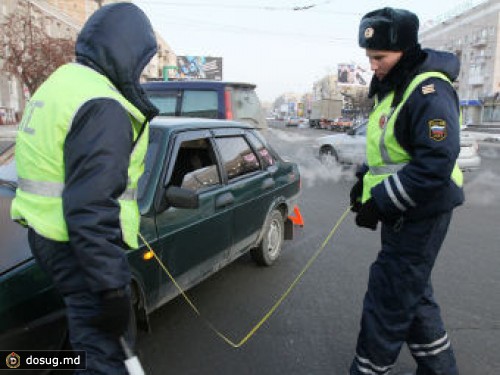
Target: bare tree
[28, 52]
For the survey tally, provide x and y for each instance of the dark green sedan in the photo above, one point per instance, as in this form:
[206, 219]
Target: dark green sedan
[211, 191]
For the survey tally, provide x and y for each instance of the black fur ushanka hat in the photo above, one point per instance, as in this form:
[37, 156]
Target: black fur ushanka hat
[388, 29]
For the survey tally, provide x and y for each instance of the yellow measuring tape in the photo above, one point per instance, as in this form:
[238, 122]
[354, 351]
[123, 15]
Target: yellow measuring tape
[273, 308]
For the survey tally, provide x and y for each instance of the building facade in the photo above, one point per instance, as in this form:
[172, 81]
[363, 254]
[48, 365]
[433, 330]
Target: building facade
[10, 90]
[79, 10]
[63, 19]
[46, 17]
[474, 36]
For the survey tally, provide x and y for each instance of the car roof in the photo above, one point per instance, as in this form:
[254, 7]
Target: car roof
[190, 123]
[196, 84]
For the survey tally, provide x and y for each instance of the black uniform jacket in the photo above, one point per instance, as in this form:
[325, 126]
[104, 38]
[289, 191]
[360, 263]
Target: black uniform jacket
[117, 44]
[428, 128]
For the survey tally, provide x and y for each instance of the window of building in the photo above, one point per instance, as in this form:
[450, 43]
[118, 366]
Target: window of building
[491, 113]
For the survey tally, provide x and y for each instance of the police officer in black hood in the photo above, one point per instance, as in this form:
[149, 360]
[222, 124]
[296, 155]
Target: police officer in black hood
[410, 184]
[79, 155]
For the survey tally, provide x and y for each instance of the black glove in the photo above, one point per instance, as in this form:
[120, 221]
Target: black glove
[355, 195]
[368, 215]
[115, 312]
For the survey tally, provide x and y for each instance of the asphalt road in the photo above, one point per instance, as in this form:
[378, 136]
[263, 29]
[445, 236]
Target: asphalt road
[314, 330]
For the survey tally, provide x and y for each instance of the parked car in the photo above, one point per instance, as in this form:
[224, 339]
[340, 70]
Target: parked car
[292, 121]
[469, 158]
[350, 148]
[342, 124]
[211, 191]
[303, 122]
[346, 148]
[207, 99]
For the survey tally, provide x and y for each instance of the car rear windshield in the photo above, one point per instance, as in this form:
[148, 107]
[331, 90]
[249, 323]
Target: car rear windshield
[166, 102]
[197, 103]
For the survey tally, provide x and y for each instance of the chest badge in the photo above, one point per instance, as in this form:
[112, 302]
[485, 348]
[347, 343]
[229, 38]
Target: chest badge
[382, 121]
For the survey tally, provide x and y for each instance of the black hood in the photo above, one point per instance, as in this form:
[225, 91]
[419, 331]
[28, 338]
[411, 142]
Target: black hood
[118, 41]
[441, 61]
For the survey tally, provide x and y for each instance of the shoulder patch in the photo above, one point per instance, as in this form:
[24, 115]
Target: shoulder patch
[428, 89]
[437, 129]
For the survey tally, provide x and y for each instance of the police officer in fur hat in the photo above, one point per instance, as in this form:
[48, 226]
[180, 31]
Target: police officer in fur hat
[410, 184]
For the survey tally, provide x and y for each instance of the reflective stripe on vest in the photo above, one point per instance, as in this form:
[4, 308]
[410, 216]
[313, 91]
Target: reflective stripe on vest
[40, 151]
[385, 157]
[386, 169]
[55, 189]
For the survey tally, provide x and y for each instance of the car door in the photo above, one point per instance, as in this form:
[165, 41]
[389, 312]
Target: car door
[359, 145]
[193, 243]
[353, 149]
[248, 184]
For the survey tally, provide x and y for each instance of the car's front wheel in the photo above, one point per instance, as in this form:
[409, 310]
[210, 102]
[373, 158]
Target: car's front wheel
[269, 249]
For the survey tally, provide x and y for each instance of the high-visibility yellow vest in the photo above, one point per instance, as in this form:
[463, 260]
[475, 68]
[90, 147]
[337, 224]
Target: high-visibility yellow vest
[40, 141]
[384, 154]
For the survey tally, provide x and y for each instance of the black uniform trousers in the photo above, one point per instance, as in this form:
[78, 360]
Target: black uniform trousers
[399, 305]
[104, 355]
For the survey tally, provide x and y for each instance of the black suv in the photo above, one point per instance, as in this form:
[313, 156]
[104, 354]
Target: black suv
[207, 99]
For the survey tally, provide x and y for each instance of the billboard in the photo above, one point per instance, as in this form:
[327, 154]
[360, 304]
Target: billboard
[199, 67]
[353, 74]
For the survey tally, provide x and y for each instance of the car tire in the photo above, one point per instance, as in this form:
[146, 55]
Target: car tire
[269, 248]
[328, 154]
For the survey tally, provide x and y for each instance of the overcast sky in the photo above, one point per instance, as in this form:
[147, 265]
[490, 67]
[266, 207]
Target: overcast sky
[268, 43]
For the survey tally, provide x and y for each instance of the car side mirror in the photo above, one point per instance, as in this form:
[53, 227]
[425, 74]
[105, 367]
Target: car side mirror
[272, 169]
[182, 198]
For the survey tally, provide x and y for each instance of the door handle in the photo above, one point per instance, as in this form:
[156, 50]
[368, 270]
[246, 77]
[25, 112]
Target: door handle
[224, 200]
[268, 183]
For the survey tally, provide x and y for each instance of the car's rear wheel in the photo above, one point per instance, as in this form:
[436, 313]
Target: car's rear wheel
[327, 154]
[269, 249]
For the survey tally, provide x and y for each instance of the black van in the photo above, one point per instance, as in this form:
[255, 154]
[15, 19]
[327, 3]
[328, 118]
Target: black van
[207, 99]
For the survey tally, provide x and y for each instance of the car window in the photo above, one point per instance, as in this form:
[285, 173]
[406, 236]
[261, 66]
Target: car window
[166, 102]
[199, 104]
[237, 156]
[149, 163]
[246, 105]
[264, 152]
[195, 166]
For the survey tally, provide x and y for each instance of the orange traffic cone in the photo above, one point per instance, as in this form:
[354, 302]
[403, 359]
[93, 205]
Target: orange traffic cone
[296, 217]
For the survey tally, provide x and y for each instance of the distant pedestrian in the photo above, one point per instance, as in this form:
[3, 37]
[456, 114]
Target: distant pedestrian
[411, 184]
[79, 154]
